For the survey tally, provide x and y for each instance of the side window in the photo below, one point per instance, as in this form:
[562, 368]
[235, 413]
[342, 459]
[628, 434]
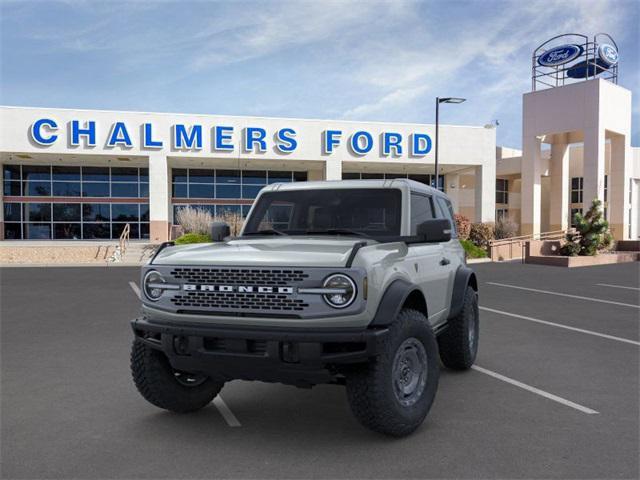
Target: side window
[421, 210]
[447, 210]
[277, 217]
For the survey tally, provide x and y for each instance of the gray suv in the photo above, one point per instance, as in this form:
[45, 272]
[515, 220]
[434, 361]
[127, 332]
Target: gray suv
[356, 283]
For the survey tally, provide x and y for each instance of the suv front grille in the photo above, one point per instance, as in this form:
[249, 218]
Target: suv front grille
[229, 276]
[239, 301]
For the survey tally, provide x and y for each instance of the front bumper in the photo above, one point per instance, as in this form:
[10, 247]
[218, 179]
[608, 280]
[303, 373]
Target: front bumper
[285, 355]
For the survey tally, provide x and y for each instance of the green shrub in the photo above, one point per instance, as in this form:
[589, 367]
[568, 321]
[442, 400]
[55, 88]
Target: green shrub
[463, 226]
[592, 233]
[472, 250]
[193, 238]
[481, 234]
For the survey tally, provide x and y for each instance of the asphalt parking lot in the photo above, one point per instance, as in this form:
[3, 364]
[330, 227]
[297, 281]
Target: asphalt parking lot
[555, 393]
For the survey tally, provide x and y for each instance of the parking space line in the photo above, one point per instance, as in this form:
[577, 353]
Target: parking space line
[617, 286]
[226, 412]
[135, 289]
[559, 325]
[535, 390]
[590, 299]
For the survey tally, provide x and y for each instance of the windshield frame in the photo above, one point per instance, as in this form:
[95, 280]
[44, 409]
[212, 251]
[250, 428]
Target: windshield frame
[341, 232]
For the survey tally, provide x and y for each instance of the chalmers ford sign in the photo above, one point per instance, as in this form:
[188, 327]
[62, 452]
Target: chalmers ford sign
[46, 132]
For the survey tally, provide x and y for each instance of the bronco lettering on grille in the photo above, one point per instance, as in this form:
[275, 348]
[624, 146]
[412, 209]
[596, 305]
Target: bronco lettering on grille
[237, 288]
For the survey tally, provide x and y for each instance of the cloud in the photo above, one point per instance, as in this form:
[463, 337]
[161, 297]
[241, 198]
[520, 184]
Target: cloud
[395, 99]
[361, 60]
[286, 26]
[493, 52]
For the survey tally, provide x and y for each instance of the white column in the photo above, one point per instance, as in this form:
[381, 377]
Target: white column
[619, 186]
[559, 204]
[159, 197]
[531, 172]
[593, 166]
[333, 169]
[485, 191]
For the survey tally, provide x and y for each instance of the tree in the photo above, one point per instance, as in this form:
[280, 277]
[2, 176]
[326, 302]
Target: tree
[591, 235]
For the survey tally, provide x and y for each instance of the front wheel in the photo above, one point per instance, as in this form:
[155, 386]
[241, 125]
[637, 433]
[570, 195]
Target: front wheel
[167, 388]
[394, 393]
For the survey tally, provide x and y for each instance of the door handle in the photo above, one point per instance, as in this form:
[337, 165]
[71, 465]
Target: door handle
[445, 261]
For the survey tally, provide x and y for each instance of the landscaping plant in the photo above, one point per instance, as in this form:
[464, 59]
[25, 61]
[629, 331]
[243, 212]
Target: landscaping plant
[196, 224]
[591, 233]
[481, 234]
[193, 238]
[505, 228]
[463, 226]
[472, 250]
[233, 219]
[194, 220]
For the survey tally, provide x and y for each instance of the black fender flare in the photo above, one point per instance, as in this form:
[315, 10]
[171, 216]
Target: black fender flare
[391, 303]
[464, 277]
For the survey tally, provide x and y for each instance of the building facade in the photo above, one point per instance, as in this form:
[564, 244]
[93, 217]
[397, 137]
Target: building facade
[83, 174]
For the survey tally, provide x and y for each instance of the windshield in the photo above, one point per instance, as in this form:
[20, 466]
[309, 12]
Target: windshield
[369, 212]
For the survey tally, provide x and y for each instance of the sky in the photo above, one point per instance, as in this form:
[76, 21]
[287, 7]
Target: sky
[343, 60]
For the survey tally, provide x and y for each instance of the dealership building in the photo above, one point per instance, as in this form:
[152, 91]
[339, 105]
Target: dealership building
[81, 174]
[86, 174]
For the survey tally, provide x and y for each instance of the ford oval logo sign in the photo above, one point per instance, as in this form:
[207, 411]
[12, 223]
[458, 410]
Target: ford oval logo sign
[560, 55]
[608, 54]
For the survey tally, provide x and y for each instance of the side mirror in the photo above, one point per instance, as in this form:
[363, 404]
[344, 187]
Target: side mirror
[220, 231]
[436, 230]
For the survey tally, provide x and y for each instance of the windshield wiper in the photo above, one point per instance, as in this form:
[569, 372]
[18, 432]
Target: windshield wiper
[337, 231]
[266, 231]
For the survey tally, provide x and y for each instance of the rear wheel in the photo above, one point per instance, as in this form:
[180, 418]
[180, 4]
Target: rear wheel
[167, 388]
[394, 393]
[459, 342]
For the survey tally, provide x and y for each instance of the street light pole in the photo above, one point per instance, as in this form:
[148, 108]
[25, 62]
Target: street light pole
[437, 142]
[438, 102]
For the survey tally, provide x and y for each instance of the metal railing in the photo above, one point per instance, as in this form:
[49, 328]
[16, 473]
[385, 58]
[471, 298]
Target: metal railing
[123, 243]
[543, 76]
[514, 247]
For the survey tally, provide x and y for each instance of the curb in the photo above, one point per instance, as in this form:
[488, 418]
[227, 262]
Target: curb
[478, 260]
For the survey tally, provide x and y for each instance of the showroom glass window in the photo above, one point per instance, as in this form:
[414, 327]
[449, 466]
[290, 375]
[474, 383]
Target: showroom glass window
[208, 189]
[426, 179]
[76, 202]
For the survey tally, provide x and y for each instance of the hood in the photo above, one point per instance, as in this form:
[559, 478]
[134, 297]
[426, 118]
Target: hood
[264, 251]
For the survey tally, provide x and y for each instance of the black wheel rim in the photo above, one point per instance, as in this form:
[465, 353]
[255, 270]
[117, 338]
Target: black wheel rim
[189, 379]
[410, 370]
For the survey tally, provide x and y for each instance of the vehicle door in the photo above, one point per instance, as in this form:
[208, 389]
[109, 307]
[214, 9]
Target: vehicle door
[426, 259]
[453, 253]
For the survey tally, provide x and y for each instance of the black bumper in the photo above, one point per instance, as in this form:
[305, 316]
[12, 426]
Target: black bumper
[289, 356]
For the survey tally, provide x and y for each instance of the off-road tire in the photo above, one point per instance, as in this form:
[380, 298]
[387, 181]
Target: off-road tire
[370, 388]
[155, 380]
[456, 352]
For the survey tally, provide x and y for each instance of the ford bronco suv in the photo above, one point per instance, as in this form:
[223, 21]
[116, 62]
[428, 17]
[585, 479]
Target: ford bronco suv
[361, 283]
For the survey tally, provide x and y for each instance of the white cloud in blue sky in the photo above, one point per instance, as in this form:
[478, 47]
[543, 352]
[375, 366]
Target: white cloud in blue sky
[357, 60]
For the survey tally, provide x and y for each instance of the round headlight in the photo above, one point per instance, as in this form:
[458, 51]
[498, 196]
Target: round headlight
[343, 291]
[151, 290]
